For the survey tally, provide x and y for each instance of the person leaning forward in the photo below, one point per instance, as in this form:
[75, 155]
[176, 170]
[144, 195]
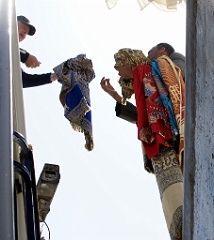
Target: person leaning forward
[160, 123]
[128, 112]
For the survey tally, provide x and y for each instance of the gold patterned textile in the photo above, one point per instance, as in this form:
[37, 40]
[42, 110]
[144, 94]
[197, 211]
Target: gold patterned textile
[127, 88]
[173, 79]
[132, 58]
[170, 183]
[129, 56]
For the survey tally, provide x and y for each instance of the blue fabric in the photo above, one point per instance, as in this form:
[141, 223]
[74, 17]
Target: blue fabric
[165, 98]
[75, 75]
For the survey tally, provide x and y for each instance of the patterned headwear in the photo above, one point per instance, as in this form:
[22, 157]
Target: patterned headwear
[132, 57]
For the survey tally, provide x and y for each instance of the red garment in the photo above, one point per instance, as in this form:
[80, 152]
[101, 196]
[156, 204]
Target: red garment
[153, 126]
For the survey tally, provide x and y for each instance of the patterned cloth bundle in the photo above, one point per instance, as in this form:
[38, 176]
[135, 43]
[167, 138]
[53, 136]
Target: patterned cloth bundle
[75, 74]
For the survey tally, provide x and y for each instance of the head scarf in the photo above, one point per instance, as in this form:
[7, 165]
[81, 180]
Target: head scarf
[132, 58]
[129, 56]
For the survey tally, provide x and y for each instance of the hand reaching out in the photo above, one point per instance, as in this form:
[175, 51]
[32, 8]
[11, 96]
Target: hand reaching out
[54, 77]
[107, 87]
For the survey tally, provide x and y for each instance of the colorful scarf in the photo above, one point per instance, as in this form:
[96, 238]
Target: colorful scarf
[165, 97]
[168, 76]
[160, 104]
[75, 74]
[153, 124]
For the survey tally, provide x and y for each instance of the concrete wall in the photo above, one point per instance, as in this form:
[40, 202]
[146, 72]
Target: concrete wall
[198, 222]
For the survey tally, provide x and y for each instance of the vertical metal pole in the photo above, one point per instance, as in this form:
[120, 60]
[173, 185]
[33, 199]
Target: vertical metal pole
[6, 163]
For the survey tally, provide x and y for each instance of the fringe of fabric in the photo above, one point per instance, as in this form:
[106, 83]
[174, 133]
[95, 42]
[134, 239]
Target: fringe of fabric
[127, 86]
[75, 123]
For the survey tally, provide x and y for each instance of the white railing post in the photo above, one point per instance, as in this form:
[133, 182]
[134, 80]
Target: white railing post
[6, 161]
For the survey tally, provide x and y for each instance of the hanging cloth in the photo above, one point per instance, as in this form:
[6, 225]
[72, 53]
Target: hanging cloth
[75, 74]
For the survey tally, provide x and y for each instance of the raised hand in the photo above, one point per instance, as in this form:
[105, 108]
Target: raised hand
[32, 62]
[108, 88]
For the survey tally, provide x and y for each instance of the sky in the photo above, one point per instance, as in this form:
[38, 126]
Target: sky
[104, 194]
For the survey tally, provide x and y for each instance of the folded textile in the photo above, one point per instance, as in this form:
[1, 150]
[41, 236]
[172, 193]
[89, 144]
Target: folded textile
[75, 74]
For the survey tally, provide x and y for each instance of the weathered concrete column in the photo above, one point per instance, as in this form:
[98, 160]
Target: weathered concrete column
[198, 222]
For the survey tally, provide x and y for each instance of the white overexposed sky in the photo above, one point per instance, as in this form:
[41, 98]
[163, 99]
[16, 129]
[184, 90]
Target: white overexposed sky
[104, 194]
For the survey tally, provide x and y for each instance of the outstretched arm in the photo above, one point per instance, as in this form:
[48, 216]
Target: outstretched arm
[33, 80]
[126, 112]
